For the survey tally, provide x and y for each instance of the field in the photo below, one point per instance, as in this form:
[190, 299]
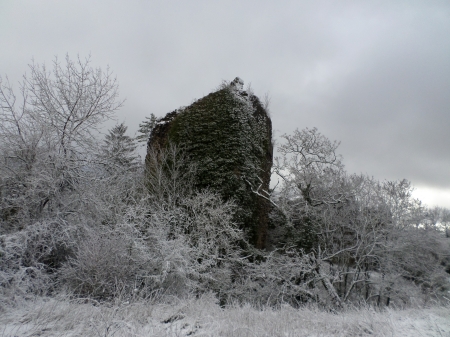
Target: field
[203, 317]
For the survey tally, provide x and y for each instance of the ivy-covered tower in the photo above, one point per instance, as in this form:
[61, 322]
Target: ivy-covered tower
[228, 133]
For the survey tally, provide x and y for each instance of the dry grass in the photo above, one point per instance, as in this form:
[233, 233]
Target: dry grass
[203, 317]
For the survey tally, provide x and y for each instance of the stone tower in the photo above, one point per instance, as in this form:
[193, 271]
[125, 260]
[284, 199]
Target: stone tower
[228, 133]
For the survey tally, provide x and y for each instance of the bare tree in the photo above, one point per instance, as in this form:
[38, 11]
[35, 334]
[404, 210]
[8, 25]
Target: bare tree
[169, 174]
[358, 232]
[48, 133]
[310, 164]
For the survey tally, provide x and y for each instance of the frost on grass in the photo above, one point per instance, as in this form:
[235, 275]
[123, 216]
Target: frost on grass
[204, 317]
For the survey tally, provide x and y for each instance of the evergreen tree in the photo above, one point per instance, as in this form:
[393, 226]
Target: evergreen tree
[119, 149]
[145, 129]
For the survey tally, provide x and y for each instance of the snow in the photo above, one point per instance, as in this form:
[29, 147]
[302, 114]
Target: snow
[237, 84]
[203, 317]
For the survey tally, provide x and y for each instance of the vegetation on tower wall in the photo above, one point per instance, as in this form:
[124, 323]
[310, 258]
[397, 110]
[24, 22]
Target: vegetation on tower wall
[228, 134]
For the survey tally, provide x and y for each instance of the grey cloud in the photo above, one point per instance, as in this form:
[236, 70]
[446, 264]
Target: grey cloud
[374, 75]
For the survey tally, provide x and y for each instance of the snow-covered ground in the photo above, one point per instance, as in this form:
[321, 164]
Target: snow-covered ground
[203, 317]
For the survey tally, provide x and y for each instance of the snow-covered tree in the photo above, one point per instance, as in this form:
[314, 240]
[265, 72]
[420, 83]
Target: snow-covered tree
[145, 129]
[354, 227]
[48, 137]
[119, 150]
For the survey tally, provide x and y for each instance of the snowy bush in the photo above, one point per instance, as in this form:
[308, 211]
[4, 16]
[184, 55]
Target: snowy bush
[104, 264]
[29, 259]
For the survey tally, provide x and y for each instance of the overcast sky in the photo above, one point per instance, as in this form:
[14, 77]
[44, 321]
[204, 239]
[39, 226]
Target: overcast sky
[374, 75]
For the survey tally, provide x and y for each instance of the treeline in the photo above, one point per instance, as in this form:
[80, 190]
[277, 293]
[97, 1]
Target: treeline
[367, 241]
[83, 215]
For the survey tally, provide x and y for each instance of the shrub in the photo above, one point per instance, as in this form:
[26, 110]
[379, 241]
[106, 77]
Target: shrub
[29, 258]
